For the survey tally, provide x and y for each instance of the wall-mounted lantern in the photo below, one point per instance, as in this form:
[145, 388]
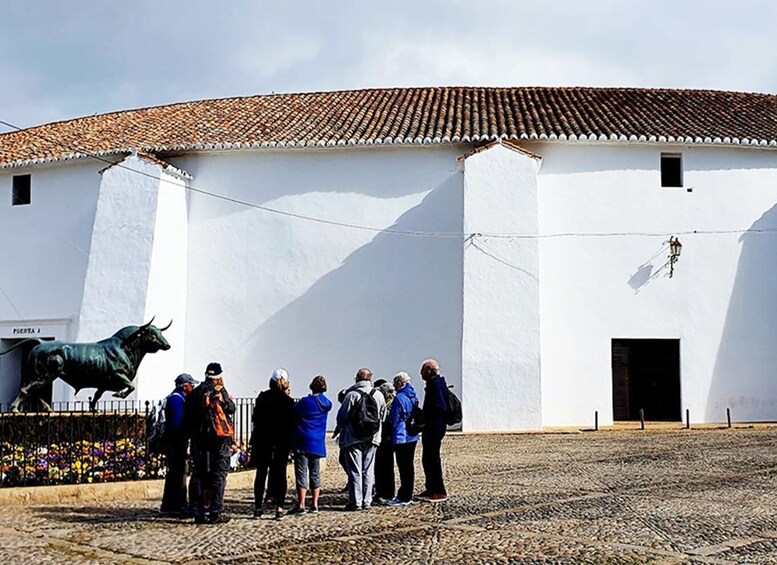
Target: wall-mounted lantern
[675, 248]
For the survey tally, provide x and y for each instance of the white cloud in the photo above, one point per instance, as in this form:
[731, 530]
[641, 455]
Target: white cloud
[60, 61]
[284, 55]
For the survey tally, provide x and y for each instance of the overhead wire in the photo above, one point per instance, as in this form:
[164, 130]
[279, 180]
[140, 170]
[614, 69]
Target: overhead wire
[414, 233]
[233, 200]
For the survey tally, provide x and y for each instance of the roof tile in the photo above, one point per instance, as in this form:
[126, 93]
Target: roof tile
[402, 115]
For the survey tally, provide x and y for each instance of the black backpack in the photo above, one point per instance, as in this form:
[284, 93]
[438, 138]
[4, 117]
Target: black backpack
[364, 416]
[452, 409]
[415, 421]
[155, 428]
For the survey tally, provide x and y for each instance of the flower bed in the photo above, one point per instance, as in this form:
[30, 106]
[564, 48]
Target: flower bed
[45, 449]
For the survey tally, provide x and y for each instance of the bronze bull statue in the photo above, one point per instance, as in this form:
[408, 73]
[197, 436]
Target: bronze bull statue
[107, 365]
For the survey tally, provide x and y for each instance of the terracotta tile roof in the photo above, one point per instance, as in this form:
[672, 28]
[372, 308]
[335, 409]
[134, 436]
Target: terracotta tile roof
[154, 160]
[408, 115]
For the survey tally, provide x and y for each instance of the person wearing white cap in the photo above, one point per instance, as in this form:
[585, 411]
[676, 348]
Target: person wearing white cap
[273, 422]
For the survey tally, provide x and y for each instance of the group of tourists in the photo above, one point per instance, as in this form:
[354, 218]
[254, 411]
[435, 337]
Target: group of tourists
[378, 426]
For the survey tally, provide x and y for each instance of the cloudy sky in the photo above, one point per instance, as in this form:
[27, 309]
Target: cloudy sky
[64, 59]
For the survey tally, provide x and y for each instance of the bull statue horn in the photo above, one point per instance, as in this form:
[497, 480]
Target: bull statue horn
[144, 326]
[167, 326]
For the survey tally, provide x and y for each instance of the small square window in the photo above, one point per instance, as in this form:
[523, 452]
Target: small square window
[671, 169]
[21, 190]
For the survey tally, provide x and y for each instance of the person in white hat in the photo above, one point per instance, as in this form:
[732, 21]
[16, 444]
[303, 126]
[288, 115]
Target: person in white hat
[273, 422]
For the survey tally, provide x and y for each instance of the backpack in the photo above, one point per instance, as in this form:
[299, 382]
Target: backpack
[155, 427]
[415, 421]
[217, 423]
[452, 409]
[364, 416]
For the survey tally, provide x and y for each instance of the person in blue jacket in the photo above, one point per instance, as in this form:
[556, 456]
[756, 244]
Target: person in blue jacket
[309, 443]
[404, 442]
[176, 442]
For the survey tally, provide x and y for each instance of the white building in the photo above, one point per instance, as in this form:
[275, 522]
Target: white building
[518, 235]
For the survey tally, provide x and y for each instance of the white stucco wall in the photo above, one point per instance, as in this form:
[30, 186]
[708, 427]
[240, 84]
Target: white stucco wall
[138, 245]
[166, 295]
[45, 256]
[721, 302]
[256, 290]
[266, 290]
[501, 314]
[47, 242]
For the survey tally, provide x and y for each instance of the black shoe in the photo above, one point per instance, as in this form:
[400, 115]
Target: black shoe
[219, 519]
[425, 494]
[313, 510]
[201, 519]
[279, 514]
[257, 514]
[351, 508]
[297, 511]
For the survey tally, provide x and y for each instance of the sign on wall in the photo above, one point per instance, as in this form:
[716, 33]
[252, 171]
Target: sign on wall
[57, 329]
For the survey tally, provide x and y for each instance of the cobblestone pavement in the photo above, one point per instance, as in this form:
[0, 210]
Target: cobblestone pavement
[609, 497]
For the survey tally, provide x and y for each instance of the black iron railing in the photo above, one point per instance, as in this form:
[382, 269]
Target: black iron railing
[72, 445]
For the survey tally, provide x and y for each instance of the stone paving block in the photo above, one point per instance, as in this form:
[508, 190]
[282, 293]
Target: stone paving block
[388, 547]
[601, 519]
[760, 552]
[495, 497]
[692, 523]
[509, 546]
[758, 490]
[614, 497]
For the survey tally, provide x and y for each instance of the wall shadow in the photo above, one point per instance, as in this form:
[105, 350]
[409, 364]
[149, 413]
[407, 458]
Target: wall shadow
[649, 270]
[745, 374]
[269, 176]
[392, 303]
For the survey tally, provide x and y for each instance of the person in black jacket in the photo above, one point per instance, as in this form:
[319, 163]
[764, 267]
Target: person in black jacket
[273, 423]
[211, 453]
[435, 403]
[385, 487]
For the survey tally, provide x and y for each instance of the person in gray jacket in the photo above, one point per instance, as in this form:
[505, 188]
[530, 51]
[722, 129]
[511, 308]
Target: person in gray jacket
[359, 451]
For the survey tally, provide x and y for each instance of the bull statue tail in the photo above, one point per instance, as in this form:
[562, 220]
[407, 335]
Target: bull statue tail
[22, 342]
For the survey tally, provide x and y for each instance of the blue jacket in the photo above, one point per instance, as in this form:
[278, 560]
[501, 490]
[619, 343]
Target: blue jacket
[174, 410]
[310, 424]
[401, 409]
[435, 403]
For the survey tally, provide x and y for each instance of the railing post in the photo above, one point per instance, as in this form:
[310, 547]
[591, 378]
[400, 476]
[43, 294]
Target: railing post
[728, 416]
[147, 455]
[2, 440]
[48, 448]
[24, 439]
[687, 419]
[92, 448]
[641, 419]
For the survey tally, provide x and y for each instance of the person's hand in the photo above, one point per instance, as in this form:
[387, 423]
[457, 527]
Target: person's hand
[234, 448]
